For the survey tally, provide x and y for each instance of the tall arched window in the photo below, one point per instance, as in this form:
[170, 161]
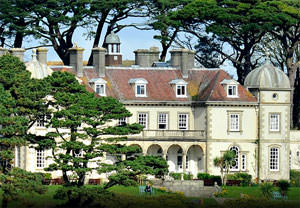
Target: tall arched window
[236, 160]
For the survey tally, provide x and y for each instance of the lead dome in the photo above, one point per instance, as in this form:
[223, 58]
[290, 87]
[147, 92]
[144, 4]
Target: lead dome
[112, 38]
[267, 76]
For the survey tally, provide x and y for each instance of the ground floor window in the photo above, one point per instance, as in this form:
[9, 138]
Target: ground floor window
[40, 158]
[274, 159]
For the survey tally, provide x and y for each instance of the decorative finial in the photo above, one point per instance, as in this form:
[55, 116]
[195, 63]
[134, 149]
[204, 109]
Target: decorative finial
[268, 56]
[75, 45]
[34, 54]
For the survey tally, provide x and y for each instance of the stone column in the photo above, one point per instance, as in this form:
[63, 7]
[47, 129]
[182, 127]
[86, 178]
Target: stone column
[99, 61]
[18, 52]
[76, 60]
[3, 51]
[42, 55]
[184, 163]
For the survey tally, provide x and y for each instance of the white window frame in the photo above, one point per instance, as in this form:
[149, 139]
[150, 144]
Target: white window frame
[274, 122]
[162, 120]
[41, 121]
[181, 90]
[122, 121]
[236, 159]
[143, 120]
[243, 162]
[233, 89]
[40, 158]
[234, 122]
[274, 159]
[183, 123]
[100, 87]
[139, 93]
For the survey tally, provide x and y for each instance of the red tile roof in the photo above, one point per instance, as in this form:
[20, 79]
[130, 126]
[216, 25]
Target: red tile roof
[203, 85]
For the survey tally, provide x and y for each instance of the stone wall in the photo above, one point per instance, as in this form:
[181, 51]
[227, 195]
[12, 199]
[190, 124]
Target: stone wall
[190, 188]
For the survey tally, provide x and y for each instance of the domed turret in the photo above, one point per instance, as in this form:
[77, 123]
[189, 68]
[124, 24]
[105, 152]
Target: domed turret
[112, 38]
[112, 45]
[267, 76]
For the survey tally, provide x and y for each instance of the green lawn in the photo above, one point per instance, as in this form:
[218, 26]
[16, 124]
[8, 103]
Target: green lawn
[254, 191]
[131, 195]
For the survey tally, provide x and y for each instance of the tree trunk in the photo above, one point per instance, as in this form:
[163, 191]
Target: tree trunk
[4, 202]
[98, 35]
[18, 40]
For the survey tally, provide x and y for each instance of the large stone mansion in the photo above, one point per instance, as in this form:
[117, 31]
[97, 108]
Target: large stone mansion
[191, 115]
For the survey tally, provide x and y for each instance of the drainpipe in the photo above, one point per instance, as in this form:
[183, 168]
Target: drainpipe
[258, 142]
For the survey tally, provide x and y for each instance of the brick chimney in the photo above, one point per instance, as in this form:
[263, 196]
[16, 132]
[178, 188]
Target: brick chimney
[42, 55]
[76, 60]
[145, 57]
[99, 60]
[183, 59]
[18, 52]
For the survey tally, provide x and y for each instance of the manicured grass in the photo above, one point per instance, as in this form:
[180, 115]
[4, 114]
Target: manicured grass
[254, 191]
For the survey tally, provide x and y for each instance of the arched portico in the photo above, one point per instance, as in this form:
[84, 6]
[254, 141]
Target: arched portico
[175, 158]
[195, 160]
[155, 150]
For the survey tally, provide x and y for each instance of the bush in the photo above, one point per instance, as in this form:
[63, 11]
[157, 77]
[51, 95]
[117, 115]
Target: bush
[283, 186]
[245, 178]
[188, 176]
[266, 189]
[202, 176]
[217, 179]
[176, 176]
[295, 178]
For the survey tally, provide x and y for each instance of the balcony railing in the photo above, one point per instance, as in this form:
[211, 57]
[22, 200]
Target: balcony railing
[184, 134]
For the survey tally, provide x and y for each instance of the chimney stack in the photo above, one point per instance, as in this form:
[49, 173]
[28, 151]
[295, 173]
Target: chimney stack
[183, 59]
[42, 55]
[18, 52]
[145, 57]
[99, 60]
[76, 60]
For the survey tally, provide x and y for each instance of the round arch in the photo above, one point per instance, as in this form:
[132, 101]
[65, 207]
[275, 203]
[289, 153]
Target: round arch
[155, 150]
[175, 158]
[195, 160]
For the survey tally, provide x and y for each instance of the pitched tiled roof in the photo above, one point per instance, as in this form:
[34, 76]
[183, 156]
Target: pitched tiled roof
[203, 85]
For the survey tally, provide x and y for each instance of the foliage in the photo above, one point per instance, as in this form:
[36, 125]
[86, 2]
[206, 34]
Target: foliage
[283, 186]
[253, 203]
[295, 178]
[21, 103]
[223, 192]
[266, 189]
[244, 177]
[176, 176]
[224, 163]
[80, 196]
[17, 181]
[188, 176]
[202, 176]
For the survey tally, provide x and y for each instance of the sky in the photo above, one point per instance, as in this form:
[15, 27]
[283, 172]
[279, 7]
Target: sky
[131, 40]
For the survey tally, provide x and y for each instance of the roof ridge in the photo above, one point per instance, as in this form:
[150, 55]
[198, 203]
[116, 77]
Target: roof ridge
[214, 85]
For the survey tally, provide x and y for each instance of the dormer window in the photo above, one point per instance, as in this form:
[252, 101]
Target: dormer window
[140, 86]
[232, 91]
[180, 87]
[100, 89]
[140, 90]
[99, 85]
[231, 87]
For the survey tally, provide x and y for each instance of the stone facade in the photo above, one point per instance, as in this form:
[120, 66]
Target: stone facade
[190, 125]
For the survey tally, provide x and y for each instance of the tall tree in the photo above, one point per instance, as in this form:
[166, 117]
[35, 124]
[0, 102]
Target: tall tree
[283, 43]
[239, 23]
[57, 21]
[21, 104]
[109, 14]
[15, 21]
